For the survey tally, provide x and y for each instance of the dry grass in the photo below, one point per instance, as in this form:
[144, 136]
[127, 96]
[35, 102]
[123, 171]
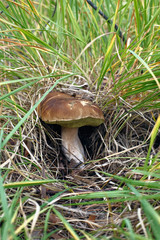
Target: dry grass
[116, 147]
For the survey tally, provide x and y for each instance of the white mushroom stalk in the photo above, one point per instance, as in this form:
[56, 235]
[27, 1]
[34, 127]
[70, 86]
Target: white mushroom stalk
[72, 146]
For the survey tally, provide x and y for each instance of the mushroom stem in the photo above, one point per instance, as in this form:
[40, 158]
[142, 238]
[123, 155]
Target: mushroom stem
[72, 146]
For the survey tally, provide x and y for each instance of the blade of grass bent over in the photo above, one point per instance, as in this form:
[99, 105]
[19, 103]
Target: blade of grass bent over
[147, 67]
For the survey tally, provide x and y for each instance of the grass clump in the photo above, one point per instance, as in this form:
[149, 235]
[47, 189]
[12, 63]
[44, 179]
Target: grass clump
[68, 46]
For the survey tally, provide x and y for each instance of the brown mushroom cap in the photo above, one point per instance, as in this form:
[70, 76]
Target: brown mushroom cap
[67, 111]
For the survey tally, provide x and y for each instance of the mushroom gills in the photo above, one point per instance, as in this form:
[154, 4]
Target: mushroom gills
[72, 146]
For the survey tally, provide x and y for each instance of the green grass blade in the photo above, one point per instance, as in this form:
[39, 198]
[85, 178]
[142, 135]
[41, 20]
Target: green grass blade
[28, 183]
[152, 215]
[66, 224]
[130, 229]
[7, 226]
[153, 137]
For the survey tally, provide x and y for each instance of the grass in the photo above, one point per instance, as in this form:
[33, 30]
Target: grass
[76, 51]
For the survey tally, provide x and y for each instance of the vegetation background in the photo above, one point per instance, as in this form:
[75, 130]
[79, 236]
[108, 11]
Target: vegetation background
[67, 45]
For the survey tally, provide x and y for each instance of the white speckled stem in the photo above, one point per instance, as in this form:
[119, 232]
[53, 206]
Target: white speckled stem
[72, 146]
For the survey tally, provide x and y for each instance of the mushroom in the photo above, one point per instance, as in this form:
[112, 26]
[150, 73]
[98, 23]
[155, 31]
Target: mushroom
[70, 113]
